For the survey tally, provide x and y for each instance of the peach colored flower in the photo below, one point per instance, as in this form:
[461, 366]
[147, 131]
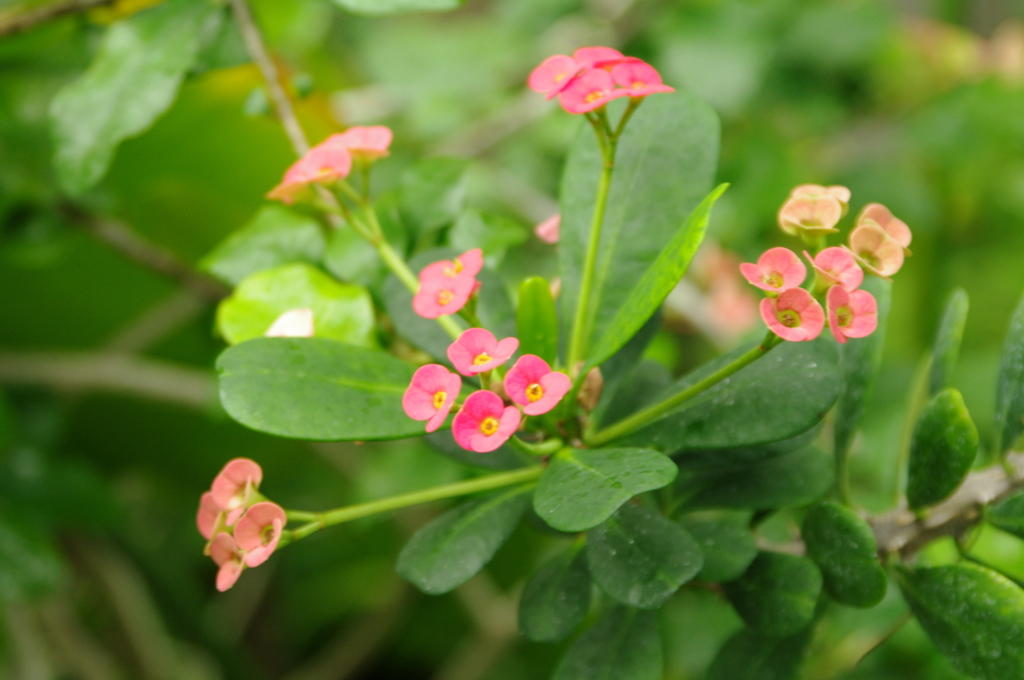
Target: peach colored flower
[777, 269]
[532, 383]
[295, 323]
[810, 215]
[208, 515]
[364, 143]
[477, 350]
[840, 193]
[547, 230]
[875, 250]
[896, 228]
[836, 265]
[229, 558]
[431, 395]
[591, 89]
[484, 423]
[795, 315]
[638, 79]
[234, 486]
[553, 74]
[851, 314]
[259, 531]
[323, 164]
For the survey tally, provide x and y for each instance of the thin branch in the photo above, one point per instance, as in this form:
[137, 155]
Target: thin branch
[16, 21]
[156, 323]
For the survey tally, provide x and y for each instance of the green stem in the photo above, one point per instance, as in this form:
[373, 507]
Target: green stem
[545, 448]
[351, 512]
[638, 420]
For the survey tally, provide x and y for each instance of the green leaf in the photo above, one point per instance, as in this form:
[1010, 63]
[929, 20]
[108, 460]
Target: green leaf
[30, 566]
[657, 282]
[491, 233]
[843, 546]
[1010, 389]
[384, 7]
[859, 362]
[556, 598]
[273, 237]
[537, 320]
[623, 644]
[947, 340]
[664, 167]
[632, 392]
[1008, 514]
[315, 388]
[727, 542]
[777, 595]
[341, 311]
[582, 487]
[351, 258]
[795, 478]
[452, 548]
[750, 656]
[974, 616]
[640, 557]
[433, 192]
[786, 392]
[942, 449]
[133, 79]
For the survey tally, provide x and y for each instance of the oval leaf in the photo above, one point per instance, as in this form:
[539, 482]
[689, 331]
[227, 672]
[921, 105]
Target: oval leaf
[727, 542]
[843, 546]
[433, 190]
[582, 487]
[942, 450]
[947, 340]
[624, 643]
[1010, 389]
[1008, 514]
[537, 320]
[556, 598]
[750, 656]
[778, 594]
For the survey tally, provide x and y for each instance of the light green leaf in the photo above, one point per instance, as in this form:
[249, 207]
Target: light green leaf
[727, 542]
[843, 546]
[777, 595]
[640, 557]
[657, 282]
[556, 598]
[133, 79]
[623, 644]
[432, 194]
[273, 237]
[942, 450]
[751, 656]
[537, 320]
[1009, 424]
[582, 487]
[385, 7]
[452, 548]
[1008, 514]
[665, 165]
[316, 388]
[491, 233]
[947, 340]
[974, 616]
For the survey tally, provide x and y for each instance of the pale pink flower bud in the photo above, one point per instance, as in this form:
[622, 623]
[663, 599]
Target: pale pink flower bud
[295, 323]
[840, 193]
[777, 269]
[836, 265]
[532, 383]
[234, 486]
[591, 89]
[896, 228]
[553, 74]
[484, 423]
[259, 531]
[477, 350]
[209, 514]
[876, 251]
[795, 315]
[323, 164]
[431, 395]
[364, 143]
[810, 215]
[547, 230]
[638, 78]
[229, 558]
[851, 314]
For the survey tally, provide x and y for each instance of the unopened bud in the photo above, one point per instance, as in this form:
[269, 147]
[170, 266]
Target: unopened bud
[590, 393]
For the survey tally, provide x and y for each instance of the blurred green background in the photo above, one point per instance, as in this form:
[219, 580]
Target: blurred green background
[918, 104]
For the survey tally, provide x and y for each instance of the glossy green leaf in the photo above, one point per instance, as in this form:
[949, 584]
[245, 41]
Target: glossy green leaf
[727, 542]
[582, 487]
[273, 237]
[778, 594]
[632, 392]
[790, 479]
[1008, 514]
[385, 7]
[624, 643]
[556, 598]
[341, 311]
[974, 616]
[352, 259]
[316, 388]
[664, 167]
[657, 282]
[786, 392]
[452, 548]
[640, 557]
[748, 655]
[432, 193]
[859, 362]
[942, 450]
[947, 340]
[537, 320]
[131, 82]
[30, 566]
[491, 233]
[1009, 425]
[843, 546]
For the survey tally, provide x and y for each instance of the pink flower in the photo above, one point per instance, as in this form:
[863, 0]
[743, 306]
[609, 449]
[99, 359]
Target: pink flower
[547, 230]
[840, 193]
[467, 265]
[259, 530]
[208, 515]
[484, 423]
[364, 143]
[851, 314]
[836, 265]
[810, 215]
[589, 90]
[295, 323]
[323, 164]
[229, 558]
[234, 486]
[897, 229]
[598, 57]
[532, 383]
[778, 269]
[440, 295]
[553, 74]
[795, 315]
[477, 350]
[875, 250]
[431, 394]
[639, 78]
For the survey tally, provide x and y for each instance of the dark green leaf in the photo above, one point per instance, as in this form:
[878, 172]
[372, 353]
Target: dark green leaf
[537, 320]
[947, 340]
[133, 79]
[384, 7]
[640, 557]
[716, 459]
[843, 546]
[623, 644]
[751, 656]
[657, 282]
[315, 388]
[341, 311]
[30, 566]
[1010, 389]
[974, 616]
[351, 258]
[665, 165]
[582, 487]
[778, 594]
[1008, 514]
[786, 392]
[727, 542]
[275, 236]
[632, 392]
[432, 194]
[942, 450]
[556, 598]
[452, 548]
[491, 233]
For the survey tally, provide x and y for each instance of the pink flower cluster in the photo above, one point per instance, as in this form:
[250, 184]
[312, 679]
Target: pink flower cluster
[241, 528]
[483, 421]
[592, 77]
[331, 160]
[446, 286]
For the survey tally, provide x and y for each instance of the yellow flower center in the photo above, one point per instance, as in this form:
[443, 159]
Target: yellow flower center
[559, 77]
[789, 318]
[593, 96]
[774, 280]
[489, 426]
[844, 315]
[444, 297]
[439, 398]
[637, 84]
[454, 270]
[481, 359]
[534, 392]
